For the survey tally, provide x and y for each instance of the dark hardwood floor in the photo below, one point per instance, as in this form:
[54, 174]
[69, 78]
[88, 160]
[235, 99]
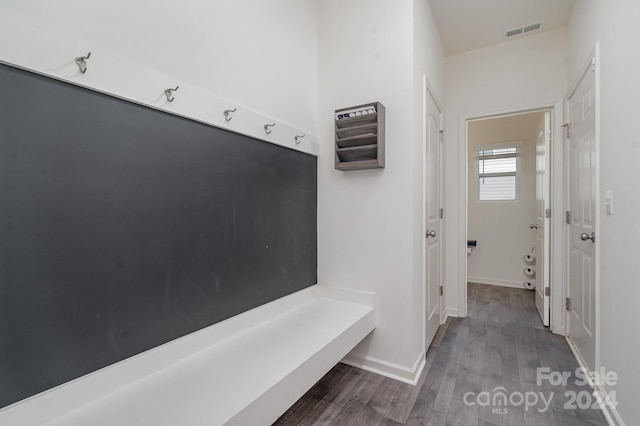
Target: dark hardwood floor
[494, 352]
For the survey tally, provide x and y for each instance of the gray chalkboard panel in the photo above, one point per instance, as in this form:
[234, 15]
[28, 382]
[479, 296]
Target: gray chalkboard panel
[123, 227]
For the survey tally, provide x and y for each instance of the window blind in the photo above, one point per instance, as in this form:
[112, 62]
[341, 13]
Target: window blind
[497, 173]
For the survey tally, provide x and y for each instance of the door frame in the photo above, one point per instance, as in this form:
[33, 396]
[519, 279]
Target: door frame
[589, 63]
[558, 261]
[427, 90]
[544, 250]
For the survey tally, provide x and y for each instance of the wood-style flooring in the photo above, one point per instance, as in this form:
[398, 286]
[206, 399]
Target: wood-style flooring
[495, 350]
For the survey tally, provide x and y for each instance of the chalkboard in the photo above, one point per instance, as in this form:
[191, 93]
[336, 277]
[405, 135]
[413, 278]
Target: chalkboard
[123, 227]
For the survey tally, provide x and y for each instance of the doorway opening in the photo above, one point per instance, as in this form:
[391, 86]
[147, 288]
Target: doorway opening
[509, 202]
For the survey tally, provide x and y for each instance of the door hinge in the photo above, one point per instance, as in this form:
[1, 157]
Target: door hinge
[567, 304]
[568, 217]
[547, 213]
[441, 213]
[593, 64]
[547, 291]
[441, 291]
[441, 135]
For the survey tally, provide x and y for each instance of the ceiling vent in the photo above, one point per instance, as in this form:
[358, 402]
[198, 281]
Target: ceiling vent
[523, 30]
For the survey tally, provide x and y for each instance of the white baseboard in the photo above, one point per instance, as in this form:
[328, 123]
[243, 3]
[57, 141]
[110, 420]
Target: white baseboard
[608, 408]
[496, 281]
[578, 358]
[388, 369]
[450, 312]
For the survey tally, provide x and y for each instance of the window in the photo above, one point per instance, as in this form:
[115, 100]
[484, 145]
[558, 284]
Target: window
[498, 173]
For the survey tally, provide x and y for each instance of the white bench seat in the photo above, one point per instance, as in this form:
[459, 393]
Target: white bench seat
[248, 378]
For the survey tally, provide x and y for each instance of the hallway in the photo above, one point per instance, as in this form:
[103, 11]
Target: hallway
[500, 344]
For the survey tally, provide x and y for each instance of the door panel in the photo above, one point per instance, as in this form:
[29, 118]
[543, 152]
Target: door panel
[432, 225]
[433, 307]
[582, 196]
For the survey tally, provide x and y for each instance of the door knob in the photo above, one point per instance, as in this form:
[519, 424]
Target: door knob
[431, 234]
[585, 237]
[533, 226]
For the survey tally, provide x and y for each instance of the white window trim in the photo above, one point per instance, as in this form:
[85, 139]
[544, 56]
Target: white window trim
[519, 144]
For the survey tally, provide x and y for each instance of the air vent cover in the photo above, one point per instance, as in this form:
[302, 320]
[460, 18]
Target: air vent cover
[513, 32]
[532, 27]
[523, 30]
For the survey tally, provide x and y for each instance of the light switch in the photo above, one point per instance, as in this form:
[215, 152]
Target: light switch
[608, 201]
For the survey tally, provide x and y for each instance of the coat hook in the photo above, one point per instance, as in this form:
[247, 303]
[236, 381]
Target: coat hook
[227, 114]
[267, 129]
[168, 92]
[299, 139]
[81, 61]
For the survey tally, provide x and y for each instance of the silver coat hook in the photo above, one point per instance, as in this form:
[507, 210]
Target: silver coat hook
[267, 129]
[81, 61]
[299, 139]
[168, 92]
[227, 114]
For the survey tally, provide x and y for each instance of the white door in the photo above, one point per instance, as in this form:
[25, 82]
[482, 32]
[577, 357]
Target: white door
[432, 225]
[582, 217]
[543, 150]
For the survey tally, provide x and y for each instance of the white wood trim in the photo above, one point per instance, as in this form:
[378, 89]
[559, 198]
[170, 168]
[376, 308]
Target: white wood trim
[112, 74]
[451, 312]
[558, 261]
[557, 212]
[433, 95]
[463, 208]
[609, 411]
[598, 243]
[579, 359]
[585, 69]
[388, 369]
[423, 252]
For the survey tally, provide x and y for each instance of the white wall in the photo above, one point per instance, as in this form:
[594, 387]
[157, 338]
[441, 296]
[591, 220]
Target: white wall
[367, 219]
[614, 25]
[510, 76]
[428, 53]
[260, 55]
[501, 228]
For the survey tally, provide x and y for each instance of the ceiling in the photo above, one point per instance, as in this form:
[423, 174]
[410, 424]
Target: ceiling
[470, 24]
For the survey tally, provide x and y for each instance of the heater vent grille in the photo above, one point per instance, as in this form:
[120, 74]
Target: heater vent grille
[532, 27]
[514, 32]
[536, 26]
